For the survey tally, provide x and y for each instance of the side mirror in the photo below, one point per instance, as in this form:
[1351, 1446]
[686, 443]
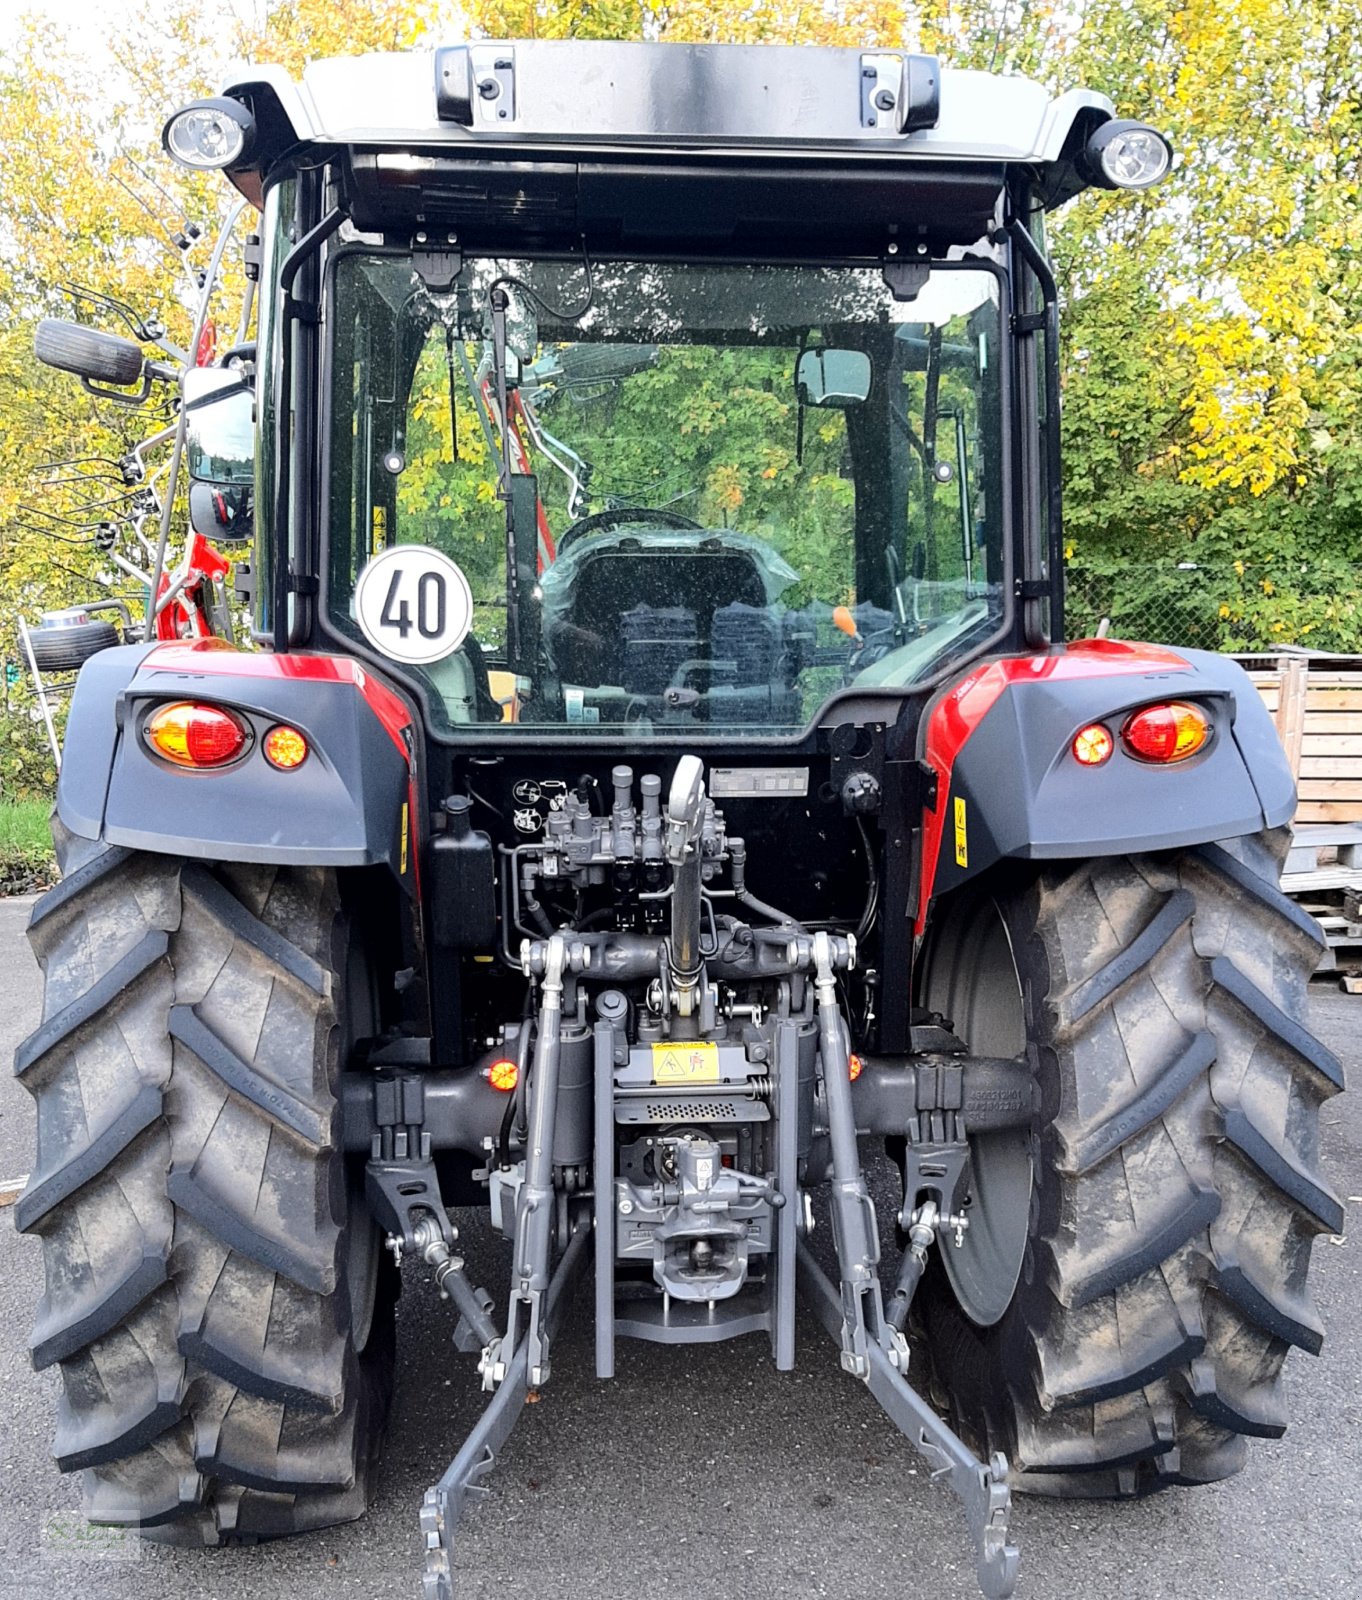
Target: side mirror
[220, 427]
[219, 512]
[97, 359]
[835, 379]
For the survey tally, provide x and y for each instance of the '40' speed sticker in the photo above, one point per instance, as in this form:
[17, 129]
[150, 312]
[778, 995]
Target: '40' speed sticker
[413, 604]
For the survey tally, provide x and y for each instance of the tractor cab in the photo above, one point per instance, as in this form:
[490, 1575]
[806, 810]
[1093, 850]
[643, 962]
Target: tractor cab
[720, 376]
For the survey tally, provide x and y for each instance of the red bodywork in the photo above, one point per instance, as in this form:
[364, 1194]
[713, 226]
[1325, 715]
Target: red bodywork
[960, 711]
[187, 615]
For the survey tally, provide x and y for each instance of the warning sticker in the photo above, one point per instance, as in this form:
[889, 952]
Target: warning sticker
[686, 1062]
[961, 837]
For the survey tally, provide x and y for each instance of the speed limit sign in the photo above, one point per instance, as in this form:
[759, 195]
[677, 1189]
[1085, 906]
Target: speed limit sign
[413, 604]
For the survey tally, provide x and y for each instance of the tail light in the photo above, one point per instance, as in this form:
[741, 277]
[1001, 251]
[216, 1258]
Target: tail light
[195, 735]
[1166, 733]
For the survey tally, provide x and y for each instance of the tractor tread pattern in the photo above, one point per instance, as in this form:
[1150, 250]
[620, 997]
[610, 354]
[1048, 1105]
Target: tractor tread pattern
[224, 905]
[186, 1193]
[1303, 1189]
[1174, 1226]
[1172, 915]
[94, 1002]
[276, 1102]
[61, 1332]
[1083, 1151]
[1294, 1036]
[47, 1189]
[1165, 1279]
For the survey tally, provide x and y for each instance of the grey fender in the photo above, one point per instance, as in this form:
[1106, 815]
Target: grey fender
[348, 805]
[1014, 790]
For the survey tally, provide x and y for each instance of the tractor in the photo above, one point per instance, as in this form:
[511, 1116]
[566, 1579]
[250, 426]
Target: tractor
[658, 795]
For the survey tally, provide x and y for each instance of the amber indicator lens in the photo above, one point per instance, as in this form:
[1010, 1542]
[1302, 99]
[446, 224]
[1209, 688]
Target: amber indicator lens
[1166, 732]
[284, 748]
[1093, 745]
[195, 736]
[855, 1066]
[503, 1075]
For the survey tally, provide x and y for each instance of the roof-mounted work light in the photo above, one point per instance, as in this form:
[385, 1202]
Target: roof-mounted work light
[1127, 155]
[209, 134]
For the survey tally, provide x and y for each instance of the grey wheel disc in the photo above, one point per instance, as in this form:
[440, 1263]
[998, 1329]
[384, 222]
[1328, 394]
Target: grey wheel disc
[971, 977]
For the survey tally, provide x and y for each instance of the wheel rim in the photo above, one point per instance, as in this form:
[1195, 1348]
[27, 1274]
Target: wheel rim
[970, 975]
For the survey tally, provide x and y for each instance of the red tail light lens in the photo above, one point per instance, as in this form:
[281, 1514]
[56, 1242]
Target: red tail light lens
[1167, 733]
[196, 736]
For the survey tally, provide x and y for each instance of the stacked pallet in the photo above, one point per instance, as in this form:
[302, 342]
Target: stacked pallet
[1316, 702]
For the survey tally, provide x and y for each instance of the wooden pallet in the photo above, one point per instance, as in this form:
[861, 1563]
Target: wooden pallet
[1316, 703]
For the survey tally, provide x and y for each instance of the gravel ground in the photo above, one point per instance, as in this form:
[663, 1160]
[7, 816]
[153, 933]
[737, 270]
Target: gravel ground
[704, 1473]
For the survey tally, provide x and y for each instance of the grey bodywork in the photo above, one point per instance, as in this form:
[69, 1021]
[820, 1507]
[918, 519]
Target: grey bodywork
[1026, 798]
[341, 808]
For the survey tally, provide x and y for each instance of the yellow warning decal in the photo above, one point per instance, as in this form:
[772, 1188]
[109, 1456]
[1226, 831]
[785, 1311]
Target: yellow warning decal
[961, 841]
[378, 538]
[406, 829]
[687, 1062]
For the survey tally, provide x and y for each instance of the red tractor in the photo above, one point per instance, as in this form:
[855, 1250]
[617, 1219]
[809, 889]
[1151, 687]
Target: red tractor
[663, 783]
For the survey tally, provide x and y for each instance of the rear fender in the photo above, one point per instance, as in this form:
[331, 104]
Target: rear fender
[1008, 786]
[351, 803]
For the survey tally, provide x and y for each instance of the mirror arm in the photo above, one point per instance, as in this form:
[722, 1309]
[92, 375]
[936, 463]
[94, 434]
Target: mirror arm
[119, 396]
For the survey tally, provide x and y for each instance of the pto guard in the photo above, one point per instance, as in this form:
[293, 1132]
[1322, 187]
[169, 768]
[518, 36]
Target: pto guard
[1008, 785]
[351, 803]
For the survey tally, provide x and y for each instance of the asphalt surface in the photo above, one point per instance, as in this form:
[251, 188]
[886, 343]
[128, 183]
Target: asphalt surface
[704, 1474]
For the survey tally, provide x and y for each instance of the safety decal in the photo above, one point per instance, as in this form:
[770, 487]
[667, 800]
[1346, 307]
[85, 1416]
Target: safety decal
[688, 1062]
[961, 837]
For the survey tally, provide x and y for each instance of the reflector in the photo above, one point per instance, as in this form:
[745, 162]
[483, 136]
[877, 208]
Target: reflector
[503, 1074]
[1093, 745]
[284, 747]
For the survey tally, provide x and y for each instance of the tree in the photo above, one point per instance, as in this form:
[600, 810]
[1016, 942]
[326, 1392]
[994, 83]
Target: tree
[1212, 348]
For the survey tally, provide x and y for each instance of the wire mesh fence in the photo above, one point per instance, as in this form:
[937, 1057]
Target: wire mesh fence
[1234, 606]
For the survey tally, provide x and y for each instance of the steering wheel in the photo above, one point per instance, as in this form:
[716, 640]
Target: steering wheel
[624, 514]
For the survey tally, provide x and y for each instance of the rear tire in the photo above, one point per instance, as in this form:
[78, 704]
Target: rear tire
[199, 1235]
[1175, 1156]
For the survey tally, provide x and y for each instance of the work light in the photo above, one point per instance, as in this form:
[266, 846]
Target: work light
[1127, 155]
[209, 134]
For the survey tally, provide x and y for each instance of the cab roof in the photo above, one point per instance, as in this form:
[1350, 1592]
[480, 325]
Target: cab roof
[413, 131]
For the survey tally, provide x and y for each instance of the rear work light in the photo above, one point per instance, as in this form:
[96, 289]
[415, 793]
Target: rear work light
[196, 736]
[1166, 733]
